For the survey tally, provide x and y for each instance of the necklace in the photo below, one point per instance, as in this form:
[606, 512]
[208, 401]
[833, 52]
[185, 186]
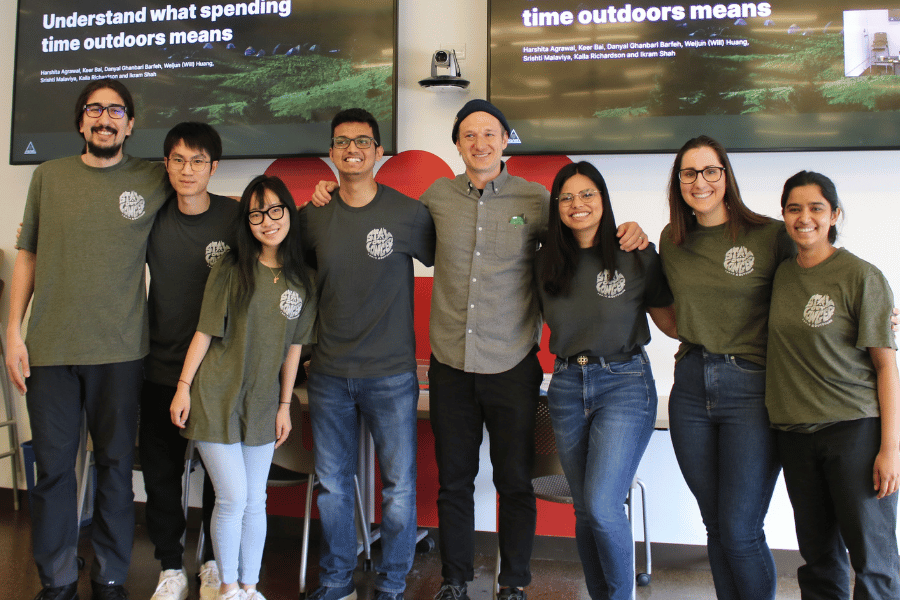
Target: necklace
[274, 274]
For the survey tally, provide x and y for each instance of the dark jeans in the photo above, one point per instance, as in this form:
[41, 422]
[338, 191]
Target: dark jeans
[462, 404]
[109, 395]
[829, 479]
[726, 451]
[162, 452]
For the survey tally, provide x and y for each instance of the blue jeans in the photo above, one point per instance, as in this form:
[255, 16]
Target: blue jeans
[388, 406]
[603, 416]
[727, 454]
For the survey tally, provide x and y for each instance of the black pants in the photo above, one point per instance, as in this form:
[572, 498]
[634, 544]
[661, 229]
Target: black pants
[108, 394]
[462, 404]
[162, 450]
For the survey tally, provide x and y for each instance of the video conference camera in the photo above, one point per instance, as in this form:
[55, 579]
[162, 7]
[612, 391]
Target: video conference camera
[445, 61]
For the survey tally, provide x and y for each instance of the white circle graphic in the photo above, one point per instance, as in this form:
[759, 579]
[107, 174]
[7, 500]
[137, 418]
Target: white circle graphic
[379, 243]
[819, 311]
[739, 261]
[291, 303]
[610, 288]
[131, 205]
[214, 251]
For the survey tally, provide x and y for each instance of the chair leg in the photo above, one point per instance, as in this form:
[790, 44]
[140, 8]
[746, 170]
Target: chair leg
[304, 549]
[497, 575]
[644, 578]
[186, 488]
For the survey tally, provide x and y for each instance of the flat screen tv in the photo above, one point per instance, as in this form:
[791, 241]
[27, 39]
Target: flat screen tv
[269, 75]
[602, 77]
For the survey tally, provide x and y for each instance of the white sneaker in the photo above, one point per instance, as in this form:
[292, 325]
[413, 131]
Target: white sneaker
[235, 594]
[209, 581]
[173, 585]
[255, 595]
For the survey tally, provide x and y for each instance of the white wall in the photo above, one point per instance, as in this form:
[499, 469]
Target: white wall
[867, 182]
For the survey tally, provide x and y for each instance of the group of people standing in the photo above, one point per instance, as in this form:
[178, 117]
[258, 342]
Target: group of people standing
[238, 287]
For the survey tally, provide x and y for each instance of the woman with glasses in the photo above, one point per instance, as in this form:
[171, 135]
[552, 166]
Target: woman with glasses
[834, 399]
[602, 397]
[720, 258]
[234, 393]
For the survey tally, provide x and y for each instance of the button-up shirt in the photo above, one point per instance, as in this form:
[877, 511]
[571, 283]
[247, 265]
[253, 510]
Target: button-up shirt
[484, 309]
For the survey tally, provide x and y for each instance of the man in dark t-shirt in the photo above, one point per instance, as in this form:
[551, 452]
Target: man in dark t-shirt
[362, 245]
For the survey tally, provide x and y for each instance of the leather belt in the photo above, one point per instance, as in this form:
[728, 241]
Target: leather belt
[586, 359]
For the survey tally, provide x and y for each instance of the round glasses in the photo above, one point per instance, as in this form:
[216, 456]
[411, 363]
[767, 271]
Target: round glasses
[274, 212]
[585, 195]
[710, 174]
[113, 110]
[362, 142]
[176, 164]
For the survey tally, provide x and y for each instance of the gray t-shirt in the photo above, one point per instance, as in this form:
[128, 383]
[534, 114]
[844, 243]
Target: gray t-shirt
[88, 228]
[722, 287]
[363, 258]
[605, 314]
[235, 394]
[822, 322]
[181, 252]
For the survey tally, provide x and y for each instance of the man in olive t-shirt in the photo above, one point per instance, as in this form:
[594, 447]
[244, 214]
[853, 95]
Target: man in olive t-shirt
[81, 265]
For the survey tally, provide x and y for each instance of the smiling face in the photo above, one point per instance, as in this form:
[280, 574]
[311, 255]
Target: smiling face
[581, 215]
[809, 217]
[105, 135]
[705, 198]
[271, 232]
[481, 142]
[352, 161]
[187, 182]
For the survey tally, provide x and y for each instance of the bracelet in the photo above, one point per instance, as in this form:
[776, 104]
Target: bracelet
[185, 383]
[284, 403]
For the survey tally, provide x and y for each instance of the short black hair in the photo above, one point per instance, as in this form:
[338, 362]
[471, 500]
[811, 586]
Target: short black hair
[199, 136]
[102, 84]
[356, 115]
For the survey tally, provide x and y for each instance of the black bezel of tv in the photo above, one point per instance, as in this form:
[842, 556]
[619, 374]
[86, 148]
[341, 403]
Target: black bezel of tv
[271, 89]
[778, 85]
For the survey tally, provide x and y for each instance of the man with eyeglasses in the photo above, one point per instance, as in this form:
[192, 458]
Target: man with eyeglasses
[192, 231]
[87, 336]
[362, 245]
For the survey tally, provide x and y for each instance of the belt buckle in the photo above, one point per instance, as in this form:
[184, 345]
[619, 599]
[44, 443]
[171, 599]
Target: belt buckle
[582, 360]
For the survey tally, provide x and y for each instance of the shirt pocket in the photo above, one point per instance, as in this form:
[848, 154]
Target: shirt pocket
[512, 239]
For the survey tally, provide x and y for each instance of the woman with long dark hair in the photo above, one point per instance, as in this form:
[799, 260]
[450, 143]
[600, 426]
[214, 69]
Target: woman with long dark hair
[602, 396]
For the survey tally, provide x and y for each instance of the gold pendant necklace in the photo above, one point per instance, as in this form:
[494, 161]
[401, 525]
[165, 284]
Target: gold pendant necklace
[274, 274]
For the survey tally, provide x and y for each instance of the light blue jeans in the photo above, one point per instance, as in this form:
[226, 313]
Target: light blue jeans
[239, 474]
[388, 406]
[603, 416]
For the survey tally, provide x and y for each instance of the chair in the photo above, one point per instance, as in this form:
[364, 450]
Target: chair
[550, 484]
[10, 423]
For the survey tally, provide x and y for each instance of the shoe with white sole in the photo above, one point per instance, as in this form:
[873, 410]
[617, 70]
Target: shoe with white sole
[173, 585]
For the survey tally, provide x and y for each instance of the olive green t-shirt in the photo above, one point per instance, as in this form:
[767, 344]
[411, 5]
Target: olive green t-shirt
[88, 228]
[822, 322]
[235, 394]
[722, 287]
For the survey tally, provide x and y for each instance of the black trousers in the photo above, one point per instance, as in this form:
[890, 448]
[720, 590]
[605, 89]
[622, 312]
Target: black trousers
[108, 394]
[462, 405]
[162, 451]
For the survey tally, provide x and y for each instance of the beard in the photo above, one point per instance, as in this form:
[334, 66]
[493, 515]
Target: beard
[104, 152]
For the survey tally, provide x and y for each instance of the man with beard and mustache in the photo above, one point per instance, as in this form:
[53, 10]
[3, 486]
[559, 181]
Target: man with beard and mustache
[87, 336]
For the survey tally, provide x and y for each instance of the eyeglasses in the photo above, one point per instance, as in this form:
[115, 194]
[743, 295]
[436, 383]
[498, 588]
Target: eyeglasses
[176, 164]
[710, 174]
[113, 110]
[274, 212]
[362, 142]
[585, 195]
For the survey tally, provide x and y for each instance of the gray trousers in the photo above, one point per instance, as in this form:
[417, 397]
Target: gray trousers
[109, 396]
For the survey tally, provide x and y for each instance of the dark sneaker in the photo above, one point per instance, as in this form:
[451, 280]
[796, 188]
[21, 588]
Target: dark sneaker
[452, 590]
[382, 595]
[512, 593]
[101, 591]
[348, 592]
[62, 592]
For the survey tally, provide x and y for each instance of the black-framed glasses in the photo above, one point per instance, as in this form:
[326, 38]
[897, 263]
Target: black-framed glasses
[362, 142]
[585, 195]
[275, 212]
[176, 164]
[710, 174]
[115, 111]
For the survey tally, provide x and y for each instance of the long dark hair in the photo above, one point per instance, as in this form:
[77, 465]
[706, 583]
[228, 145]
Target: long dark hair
[561, 248]
[826, 188]
[290, 253]
[681, 217]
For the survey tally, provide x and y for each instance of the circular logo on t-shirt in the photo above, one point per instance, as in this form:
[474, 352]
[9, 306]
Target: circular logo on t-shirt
[131, 204]
[379, 243]
[214, 252]
[610, 288]
[291, 303]
[739, 261]
[819, 311]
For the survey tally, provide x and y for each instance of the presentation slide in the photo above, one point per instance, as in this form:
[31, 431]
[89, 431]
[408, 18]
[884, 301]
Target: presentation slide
[268, 74]
[780, 74]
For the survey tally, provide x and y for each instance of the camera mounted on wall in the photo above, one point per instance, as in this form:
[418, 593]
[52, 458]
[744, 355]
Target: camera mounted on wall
[445, 63]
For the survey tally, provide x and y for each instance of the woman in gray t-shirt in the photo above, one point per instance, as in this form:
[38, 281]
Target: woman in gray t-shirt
[602, 398]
